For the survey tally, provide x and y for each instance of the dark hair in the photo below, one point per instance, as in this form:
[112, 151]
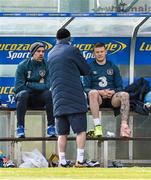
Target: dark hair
[62, 33]
[100, 44]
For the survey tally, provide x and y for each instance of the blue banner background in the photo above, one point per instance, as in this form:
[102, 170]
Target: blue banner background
[73, 14]
[6, 95]
[115, 53]
[143, 51]
[14, 49]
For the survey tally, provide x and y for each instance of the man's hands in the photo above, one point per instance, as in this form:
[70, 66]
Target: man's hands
[42, 80]
[106, 93]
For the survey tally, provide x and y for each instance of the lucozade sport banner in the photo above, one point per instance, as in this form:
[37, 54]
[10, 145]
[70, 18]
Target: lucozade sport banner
[7, 92]
[143, 51]
[14, 49]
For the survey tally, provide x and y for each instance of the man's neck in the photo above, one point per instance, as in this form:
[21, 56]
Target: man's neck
[36, 61]
[63, 41]
[101, 63]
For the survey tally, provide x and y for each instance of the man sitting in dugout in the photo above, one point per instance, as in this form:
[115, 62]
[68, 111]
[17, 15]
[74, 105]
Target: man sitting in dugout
[104, 89]
[32, 88]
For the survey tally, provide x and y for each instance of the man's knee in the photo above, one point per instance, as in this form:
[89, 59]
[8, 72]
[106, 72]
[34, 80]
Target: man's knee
[47, 94]
[121, 95]
[93, 94]
[22, 95]
[125, 95]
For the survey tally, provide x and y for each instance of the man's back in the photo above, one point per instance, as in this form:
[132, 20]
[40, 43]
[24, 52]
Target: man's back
[66, 64]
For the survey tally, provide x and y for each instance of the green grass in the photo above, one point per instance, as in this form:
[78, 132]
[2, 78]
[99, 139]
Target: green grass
[75, 173]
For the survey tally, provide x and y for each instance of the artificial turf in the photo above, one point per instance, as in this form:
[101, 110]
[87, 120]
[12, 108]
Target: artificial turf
[75, 173]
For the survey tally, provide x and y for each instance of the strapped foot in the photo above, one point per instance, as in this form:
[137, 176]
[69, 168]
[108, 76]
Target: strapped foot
[125, 131]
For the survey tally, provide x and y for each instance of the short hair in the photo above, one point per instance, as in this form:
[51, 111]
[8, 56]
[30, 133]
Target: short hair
[63, 33]
[100, 44]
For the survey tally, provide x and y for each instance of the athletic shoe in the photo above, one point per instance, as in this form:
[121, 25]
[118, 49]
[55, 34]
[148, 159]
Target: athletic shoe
[8, 163]
[20, 132]
[90, 133]
[117, 164]
[51, 131]
[93, 163]
[98, 131]
[81, 164]
[67, 165]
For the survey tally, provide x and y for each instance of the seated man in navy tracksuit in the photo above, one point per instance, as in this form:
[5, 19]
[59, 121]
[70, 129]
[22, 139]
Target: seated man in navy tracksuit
[104, 89]
[32, 88]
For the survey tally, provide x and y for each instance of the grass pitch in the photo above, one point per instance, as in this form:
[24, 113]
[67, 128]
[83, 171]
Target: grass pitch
[75, 173]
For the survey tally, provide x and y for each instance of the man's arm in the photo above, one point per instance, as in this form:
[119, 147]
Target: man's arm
[43, 83]
[87, 83]
[20, 79]
[80, 62]
[37, 86]
[117, 80]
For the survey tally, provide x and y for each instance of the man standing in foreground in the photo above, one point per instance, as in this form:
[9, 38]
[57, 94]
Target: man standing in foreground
[66, 65]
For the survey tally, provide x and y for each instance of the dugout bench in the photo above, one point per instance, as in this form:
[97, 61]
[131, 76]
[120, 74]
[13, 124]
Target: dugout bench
[101, 145]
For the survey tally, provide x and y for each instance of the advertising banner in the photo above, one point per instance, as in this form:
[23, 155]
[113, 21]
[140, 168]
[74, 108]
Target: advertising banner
[7, 92]
[118, 48]
[14, 49]
[143, 51]
[143, 11]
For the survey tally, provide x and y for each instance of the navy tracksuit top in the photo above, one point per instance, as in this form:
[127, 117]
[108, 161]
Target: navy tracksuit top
[105, 76]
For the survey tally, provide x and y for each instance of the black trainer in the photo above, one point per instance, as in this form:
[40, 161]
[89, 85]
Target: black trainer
[68, 164]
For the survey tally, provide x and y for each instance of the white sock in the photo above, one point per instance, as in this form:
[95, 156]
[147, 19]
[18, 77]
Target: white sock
[80, 155]
[97, 121]
[62, 159]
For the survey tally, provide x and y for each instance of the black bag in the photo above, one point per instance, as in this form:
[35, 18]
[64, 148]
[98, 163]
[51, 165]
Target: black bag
[138, 89]
[137, 92]
[138, 107]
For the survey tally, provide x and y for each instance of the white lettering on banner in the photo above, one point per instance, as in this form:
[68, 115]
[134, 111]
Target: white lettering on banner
[12, 55]
[11, 99]
[87, 55]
